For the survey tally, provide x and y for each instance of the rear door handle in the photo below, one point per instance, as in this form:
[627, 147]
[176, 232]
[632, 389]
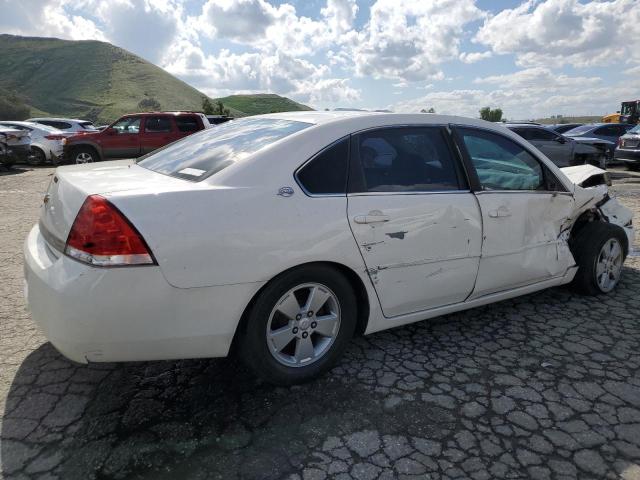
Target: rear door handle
[371, 219]
[500, 213]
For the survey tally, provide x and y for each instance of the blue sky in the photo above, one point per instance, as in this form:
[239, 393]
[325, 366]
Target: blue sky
[531, 58]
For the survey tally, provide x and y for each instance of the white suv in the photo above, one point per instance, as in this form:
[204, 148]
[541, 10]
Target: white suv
[66, 124]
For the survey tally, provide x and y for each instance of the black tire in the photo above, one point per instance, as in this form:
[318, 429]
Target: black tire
[586, 248]
[253, 348]
[37, 157]
[84, 151]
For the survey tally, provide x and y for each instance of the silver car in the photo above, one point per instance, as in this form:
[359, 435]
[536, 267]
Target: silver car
[628, 149]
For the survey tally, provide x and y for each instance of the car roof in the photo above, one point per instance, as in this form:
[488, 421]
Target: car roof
[522, 125]
[58, 119]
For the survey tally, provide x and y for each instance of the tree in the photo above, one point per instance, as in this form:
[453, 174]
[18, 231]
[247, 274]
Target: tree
[209, 108]
[13, 107]
[431, 110]
[490, 115]
[149, 105]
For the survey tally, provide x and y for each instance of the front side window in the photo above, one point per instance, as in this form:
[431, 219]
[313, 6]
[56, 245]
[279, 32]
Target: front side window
[609, 130]
[326, 173]
[407, 159]
[501, 163]
[209, 151]
[127, 125]
[157, 125]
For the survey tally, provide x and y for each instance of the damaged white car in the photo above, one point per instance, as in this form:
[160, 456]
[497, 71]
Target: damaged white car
[281, 236]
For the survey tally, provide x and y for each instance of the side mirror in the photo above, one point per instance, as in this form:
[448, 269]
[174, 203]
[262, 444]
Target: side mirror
[561, 139]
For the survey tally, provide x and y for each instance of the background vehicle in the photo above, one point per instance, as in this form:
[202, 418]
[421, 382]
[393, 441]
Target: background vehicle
[629, 113]
[66, 124]
[218, 119]
[14, 146]
[563, 127]
[285, 234]
[46, 142]
[561, 150]
[133, 135]
[628, 149]
[604, 131]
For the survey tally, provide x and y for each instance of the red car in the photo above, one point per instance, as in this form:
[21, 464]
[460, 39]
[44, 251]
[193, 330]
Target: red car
[133, 135]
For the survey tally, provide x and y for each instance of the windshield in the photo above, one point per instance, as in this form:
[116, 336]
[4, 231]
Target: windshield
[635, 130]
[207, 152]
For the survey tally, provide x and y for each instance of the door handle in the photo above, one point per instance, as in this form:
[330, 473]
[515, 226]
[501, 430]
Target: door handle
[500, 213]
[362, 219]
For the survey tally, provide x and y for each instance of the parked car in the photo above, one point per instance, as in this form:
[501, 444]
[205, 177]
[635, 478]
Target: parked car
[562, 150]
[46, 142]
[563, 127]
[604, 131]
[133, 135]
[66, 124]
[286, 234]
[628, 149]
[14, 146]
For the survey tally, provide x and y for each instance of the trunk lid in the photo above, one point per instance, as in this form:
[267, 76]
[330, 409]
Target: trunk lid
[71, 185]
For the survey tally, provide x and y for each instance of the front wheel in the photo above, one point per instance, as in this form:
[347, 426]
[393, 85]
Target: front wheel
[599, 250]
[84, 155]
[37, 157]
[299, 325]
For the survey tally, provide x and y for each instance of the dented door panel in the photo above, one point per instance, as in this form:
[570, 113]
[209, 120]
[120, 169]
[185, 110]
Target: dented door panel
[527, 245]
[421, 251]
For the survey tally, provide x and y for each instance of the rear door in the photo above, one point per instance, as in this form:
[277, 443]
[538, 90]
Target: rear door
[158, 130]
[525, 212]
[416, 223]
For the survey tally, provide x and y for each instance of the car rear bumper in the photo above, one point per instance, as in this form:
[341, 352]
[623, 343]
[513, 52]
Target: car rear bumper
[126, 314]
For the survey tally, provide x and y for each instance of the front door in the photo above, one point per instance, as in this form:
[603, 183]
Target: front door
[556, 147]
[525, 212]
[122, 139]
[416, 223]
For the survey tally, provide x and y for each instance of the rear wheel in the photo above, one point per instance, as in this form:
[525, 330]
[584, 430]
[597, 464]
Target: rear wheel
[599, 250]
[299, 325]
[83, 155]
[37, 157]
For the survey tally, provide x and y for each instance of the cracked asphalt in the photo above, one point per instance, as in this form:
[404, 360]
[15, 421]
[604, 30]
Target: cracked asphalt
[543, 386]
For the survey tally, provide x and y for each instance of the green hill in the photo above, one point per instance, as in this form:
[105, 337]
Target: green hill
[261, 103]
[100, 82]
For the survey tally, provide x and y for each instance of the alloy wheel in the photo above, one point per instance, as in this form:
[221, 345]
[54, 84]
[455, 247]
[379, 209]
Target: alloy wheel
[303, 325]
[609, 265]
[84, 157]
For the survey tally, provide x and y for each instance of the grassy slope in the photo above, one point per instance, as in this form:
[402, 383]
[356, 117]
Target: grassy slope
[584, 119]
[96, 80]
[262, 103]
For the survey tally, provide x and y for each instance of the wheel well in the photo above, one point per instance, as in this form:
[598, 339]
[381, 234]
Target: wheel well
[87, 146]
[362, 299]
[585, 219]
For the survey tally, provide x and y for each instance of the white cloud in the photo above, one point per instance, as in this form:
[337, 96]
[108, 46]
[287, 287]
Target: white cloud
[529, 93]
[474, 57]
[559, 32]
[409, 39]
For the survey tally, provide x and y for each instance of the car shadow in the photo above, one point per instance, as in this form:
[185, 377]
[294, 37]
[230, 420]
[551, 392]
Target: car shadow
[212, 418]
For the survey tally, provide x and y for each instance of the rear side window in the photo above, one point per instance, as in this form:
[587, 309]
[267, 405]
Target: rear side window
[187, 123]
[501, 163]
[205, 153]
[408, 159]
[157, 125]
[326, 173]
[87, 125]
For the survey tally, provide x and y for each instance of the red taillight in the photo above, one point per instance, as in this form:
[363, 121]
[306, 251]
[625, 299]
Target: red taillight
[55, 137]
[102, 236]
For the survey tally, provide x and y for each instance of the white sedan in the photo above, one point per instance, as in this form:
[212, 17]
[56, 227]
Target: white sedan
[281, 236]
[46, 142]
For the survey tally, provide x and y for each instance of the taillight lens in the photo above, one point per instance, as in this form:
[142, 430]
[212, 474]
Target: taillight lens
[102, 236]
[55, 137]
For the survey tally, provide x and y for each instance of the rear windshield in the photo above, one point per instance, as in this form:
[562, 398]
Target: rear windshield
[207, 152]
[635, 130]
[581, 129]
